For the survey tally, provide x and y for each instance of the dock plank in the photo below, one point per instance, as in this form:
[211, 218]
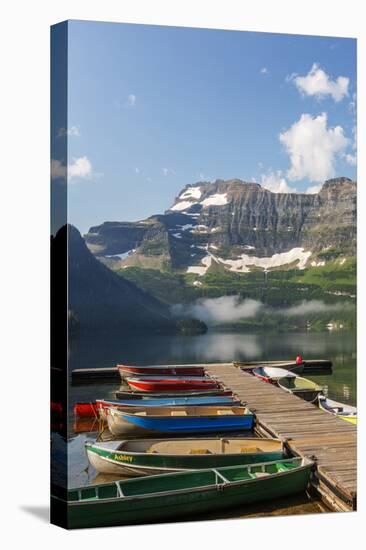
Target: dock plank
[308, 430]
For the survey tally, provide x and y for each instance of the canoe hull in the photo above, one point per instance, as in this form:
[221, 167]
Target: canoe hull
[162, 506]
[146, 385]
[126, 371]
[340, 410]
[351, 419]
[101, 405]
[308, 395]
[121, 423]
[123, 394]
[272, 374]
[301, 387]
[125, 463]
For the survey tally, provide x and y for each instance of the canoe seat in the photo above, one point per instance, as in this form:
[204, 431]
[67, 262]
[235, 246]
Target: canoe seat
[179, 413]
[200, 452]
[261, 474]
[141, 413]
[225, 412]
[249, 450]
[151, 450]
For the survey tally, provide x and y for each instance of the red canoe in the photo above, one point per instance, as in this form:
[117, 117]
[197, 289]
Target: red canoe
[165, 370]
[92, 409]
[158, 384]
[85, 410]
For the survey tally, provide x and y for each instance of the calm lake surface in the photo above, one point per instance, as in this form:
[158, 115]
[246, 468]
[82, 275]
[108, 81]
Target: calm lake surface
[340, 347]
[87, 351]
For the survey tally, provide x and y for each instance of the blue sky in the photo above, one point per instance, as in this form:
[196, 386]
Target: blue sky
[152, 109]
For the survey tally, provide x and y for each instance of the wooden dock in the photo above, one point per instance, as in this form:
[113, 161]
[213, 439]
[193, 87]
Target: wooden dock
[309, 431]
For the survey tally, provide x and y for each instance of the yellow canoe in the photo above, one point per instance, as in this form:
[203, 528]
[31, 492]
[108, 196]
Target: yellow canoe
[341, 410]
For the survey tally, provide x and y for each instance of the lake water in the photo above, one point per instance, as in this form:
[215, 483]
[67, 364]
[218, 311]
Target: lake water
[340, 347]
[89, 351]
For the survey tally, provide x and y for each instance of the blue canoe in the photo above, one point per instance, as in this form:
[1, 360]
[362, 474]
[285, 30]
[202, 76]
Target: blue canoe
[170, 420]
[174, 401]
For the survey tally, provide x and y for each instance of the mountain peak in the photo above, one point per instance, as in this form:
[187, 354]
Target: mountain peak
[342, 180]
[237, 225]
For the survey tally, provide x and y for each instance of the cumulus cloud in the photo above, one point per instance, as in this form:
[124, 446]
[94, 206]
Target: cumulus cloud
[313, 189]
[318, 83]
[275, 181]
[79, 168]
[351, 159]
[264, 70]
[313, 147]
[131, 100]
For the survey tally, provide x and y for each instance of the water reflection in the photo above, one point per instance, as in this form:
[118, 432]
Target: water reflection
[105, 350]
[98, 349]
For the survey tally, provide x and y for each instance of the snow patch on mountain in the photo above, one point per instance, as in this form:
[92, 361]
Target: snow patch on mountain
[243, 263]
[191, 192]
[218, 199]
[182, 205]
[277, 260]
[201, 270]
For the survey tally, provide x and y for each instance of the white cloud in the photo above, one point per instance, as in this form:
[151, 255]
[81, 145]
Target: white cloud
[168, 171]
[275, 181]
[72, 131]
[351, 159]
[313, 189]
[313, 147]
[137, 171]
[317, 83]
[264, 70]
[353, 104]
[79, 168]
[131, 100]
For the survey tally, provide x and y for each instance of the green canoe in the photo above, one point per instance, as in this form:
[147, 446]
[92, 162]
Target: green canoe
[176, 495]
[138, 457]
[301, 387]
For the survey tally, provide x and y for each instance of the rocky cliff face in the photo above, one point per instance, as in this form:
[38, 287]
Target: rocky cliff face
[237, 224]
